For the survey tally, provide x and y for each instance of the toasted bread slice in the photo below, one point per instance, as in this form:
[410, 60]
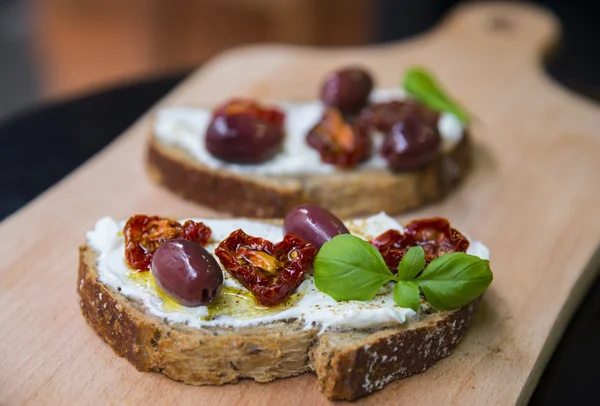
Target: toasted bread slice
[346, 193]
[348, 364]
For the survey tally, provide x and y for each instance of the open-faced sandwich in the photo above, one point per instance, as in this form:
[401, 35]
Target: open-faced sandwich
[358, 150]
[211, 301]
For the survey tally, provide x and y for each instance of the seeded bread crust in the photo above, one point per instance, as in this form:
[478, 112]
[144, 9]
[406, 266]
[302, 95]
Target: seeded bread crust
[347, 194]
[348, 364]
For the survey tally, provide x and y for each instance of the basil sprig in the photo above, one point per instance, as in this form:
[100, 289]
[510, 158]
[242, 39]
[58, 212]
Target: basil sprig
[349, 268]
[406, 294]
[421, 85]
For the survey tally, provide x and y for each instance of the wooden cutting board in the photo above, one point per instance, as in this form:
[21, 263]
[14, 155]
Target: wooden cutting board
[533, 198]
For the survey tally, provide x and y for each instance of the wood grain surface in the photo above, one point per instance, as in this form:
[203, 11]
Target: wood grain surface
[533, 198]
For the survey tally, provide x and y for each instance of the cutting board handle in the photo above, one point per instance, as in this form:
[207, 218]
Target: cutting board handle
[515, 28]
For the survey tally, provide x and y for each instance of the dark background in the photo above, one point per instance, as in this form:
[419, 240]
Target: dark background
[67, 133]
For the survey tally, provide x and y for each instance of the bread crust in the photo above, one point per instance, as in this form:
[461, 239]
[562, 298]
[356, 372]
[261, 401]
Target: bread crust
[348, 364]
[347, 194]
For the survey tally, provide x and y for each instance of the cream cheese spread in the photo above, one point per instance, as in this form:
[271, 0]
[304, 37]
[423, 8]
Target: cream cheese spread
[312, 307]
[185, 128]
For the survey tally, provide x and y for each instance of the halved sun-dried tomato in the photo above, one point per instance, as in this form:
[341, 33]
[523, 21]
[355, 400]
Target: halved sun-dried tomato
[272, 272]
[144, 234]
[435, 235]
[340, 143]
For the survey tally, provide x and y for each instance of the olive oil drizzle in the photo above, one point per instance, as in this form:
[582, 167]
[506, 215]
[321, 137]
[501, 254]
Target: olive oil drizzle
[231, 301]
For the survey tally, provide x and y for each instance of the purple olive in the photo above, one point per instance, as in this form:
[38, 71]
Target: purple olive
[313, 224]
[382, 116]
[187, 272]
[411, 143]
[243, 138]
[347, 89]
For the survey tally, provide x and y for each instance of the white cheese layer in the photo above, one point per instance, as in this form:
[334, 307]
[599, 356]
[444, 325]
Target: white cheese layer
[313, 308]
[185, 128]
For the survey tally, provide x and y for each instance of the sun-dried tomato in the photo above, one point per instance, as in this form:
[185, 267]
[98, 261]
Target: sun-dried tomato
[390, 245]
[235, 106]
[144, 234]
[435, 235]
[272, 272]
[197, 232]
[340, 143]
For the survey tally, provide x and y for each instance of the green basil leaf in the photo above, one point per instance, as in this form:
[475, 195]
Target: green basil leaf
[421, 85]
[406, 294]
[411, 263]
[452, 281]
[349, 268]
